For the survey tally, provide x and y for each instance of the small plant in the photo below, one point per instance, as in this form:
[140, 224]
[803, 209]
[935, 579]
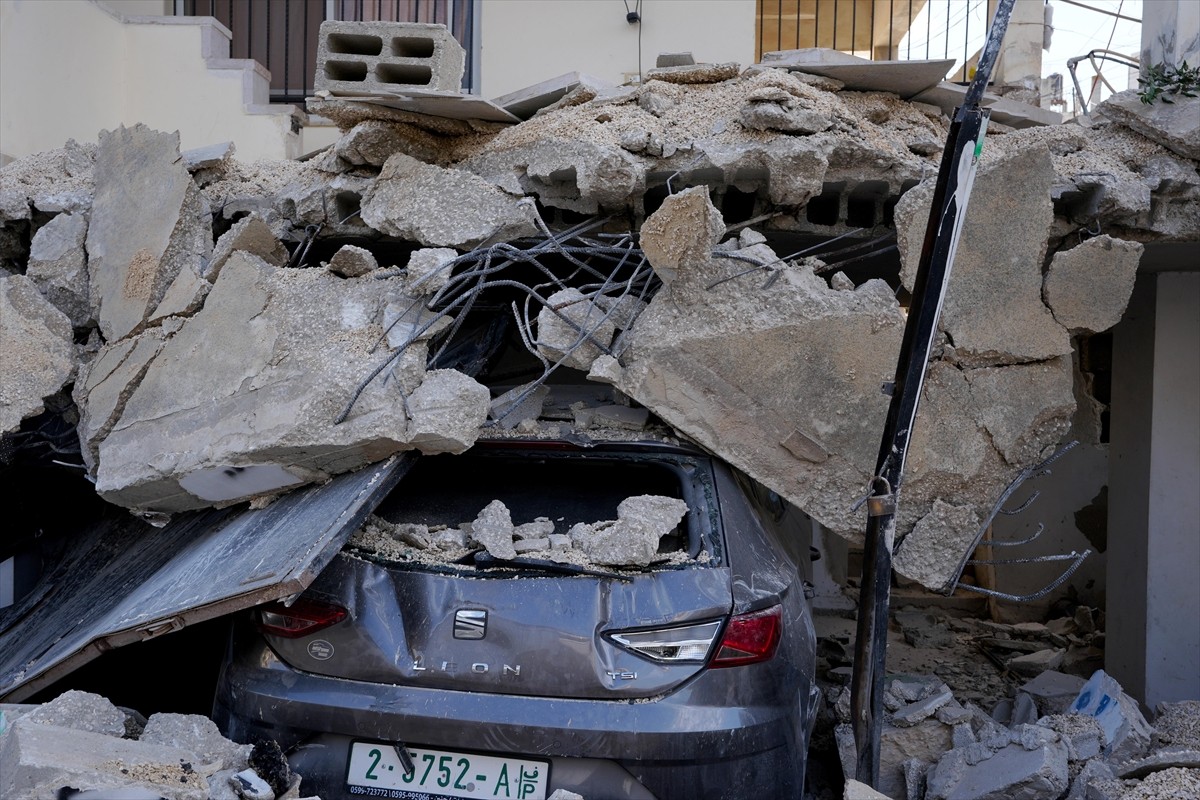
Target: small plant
[1161, 82]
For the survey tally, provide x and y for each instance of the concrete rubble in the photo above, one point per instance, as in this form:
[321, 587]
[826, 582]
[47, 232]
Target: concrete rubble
[211, 365]
[964, 731]
[632, 540]
[82, 741]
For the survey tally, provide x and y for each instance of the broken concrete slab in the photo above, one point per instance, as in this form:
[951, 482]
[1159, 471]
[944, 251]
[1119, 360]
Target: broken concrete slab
[1173, 125]
[38, 355]
[711, 363]
[493, 530]
[1156, 762]
[252, 235]
[562, 171]
[632, 539]
[854, 790]
[681, 233]
[913, 713]
[83, 711]
[949, 96]
[1025, 408]
[213, 155]
[256, 379]
[694, 73]
[351, 261]
[1088, 286]
[447, 410]
[931, 552]
[428, 269]
[1011, 773]
[37, 760]
[1037, 662]
[574, 329]
[440, 207]
[513, 407]
[58, 265]
[197, 734]
[994, 312]
[374, 141]
[1053, 691]
[904, 78]
[524, 103]
[149, 223]
[924, 742]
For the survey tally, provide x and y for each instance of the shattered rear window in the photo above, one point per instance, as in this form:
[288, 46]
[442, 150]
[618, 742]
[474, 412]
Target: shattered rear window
[518, 510]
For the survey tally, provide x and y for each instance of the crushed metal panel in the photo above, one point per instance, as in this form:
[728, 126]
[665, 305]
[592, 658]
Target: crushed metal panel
[123, 581]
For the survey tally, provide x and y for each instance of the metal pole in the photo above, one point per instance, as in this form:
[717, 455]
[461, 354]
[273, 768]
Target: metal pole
[946, 216]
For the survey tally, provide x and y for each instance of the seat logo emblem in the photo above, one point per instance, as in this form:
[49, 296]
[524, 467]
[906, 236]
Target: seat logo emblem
[470, 624]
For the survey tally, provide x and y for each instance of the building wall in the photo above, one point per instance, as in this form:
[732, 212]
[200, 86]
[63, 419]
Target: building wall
[524, 42]
[70, 68]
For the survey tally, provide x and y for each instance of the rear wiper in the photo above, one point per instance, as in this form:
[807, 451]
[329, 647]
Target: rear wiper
[485, 560]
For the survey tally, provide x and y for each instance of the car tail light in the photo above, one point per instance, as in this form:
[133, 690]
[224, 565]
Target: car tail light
[750, 638]
[690, 643]
[299, 619]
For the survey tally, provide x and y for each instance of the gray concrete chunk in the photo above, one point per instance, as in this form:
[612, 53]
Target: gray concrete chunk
[1012, 773]
[37, 760]
[447, 410]
[439, 207]
[573, 328]
[493, 530]
[994, 311]
[251, 234]
[681, 234]
[148, 224]
[198, 734]
[1088, 286]
[38, 355]
[352, 262]
[631, 539]
[58, 265]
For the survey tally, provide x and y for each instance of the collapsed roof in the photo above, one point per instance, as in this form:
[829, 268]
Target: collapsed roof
[719, 245]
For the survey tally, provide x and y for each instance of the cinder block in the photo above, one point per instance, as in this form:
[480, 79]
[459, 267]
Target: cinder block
[365, 58]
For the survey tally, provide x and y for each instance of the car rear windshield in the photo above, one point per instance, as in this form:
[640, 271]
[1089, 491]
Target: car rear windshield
[519, 507]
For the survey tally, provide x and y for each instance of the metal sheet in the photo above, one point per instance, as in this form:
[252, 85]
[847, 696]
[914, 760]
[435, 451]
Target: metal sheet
[123, 581]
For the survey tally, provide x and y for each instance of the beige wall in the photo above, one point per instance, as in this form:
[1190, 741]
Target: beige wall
[524, 42]
[134, 8]
[69, 69]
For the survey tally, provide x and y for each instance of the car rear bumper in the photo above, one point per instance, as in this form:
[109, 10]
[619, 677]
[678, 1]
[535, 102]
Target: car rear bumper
[673, 745]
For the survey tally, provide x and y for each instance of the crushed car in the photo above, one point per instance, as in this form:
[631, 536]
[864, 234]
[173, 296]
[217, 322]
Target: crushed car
[616, 618]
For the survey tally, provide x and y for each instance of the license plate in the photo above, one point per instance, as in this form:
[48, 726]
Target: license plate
[376, 771]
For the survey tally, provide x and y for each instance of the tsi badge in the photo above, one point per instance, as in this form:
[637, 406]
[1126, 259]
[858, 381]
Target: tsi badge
[320, 649]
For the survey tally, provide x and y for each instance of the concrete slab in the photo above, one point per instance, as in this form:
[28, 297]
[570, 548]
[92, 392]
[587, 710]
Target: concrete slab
[524, 103]
[949, 96]
[905, 78]
[450, 105]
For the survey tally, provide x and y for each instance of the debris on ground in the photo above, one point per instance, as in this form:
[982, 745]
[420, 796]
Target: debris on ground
[82, 741]
[961, 727]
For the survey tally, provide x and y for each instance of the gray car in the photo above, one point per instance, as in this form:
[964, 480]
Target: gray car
[421, 664]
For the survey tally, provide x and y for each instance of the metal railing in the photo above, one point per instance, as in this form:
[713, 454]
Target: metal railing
[879, 30]
[282, 35]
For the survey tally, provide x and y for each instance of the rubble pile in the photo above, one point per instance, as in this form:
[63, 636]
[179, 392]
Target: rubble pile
[960, 727]
[230, 331]
[81, 741]
[631, 540]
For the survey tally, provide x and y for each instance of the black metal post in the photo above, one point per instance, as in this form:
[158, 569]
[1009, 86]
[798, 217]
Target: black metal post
[946, 216]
